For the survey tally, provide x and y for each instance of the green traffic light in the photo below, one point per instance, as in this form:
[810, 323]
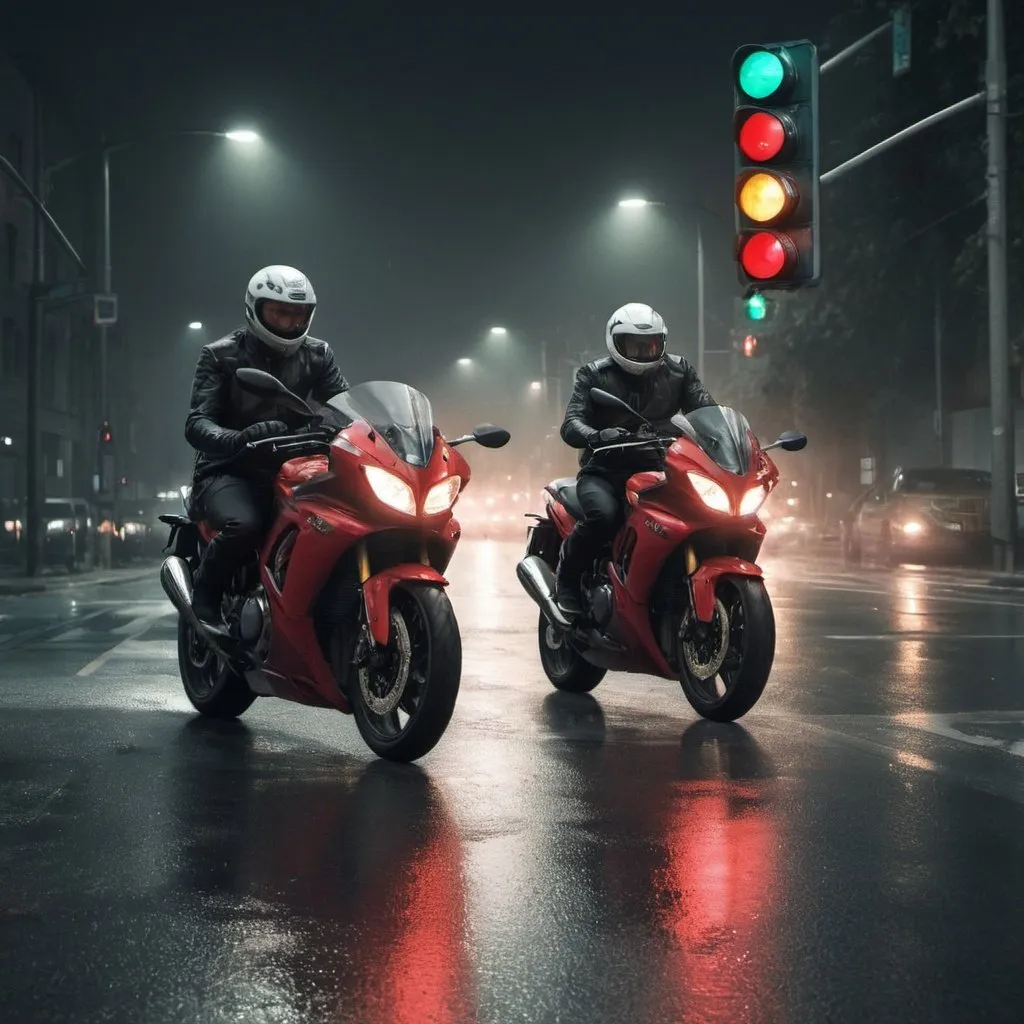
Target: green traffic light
[761, 74]
[757, 307]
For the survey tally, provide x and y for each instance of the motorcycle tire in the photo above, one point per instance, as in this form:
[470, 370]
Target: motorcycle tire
[752, 638]
[565, 668]
[212, 686]
[421, 617]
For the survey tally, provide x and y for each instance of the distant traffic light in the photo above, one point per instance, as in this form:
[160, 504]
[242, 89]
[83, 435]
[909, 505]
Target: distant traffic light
[106, 435]
[756, 306]
[775, 124]
[750, 346]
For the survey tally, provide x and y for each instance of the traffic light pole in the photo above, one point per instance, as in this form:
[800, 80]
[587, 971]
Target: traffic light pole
[1004, 491]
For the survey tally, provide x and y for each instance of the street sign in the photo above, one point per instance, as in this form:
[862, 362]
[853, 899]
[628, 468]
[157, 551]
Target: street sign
[104, 310]
[901, 41]
[867, 472]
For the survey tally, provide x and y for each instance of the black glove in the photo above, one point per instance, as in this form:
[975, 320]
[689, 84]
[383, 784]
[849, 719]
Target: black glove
[611, 434]
[266, 428]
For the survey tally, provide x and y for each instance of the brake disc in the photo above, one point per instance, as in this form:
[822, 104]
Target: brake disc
[704, 656]
[397, 674]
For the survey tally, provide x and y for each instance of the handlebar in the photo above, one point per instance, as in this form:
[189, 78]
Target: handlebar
[635, 444]
[311, 441]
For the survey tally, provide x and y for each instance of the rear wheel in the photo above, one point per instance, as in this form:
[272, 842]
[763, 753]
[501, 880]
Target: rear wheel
[725, 664]
[214, 688]
[404, 698]
[562, 663]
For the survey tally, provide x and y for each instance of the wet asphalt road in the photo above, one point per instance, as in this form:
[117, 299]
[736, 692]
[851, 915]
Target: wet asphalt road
[853, 852]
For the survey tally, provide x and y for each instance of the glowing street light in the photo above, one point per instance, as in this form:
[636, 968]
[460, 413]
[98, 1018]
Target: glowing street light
[535, 385]
[499, 332]
[465, 361]
[634, 204]
[245, 135]
[196, 325]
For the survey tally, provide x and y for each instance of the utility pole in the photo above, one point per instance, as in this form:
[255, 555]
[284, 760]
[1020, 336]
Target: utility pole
[1004, 491]
[35, 490]
[701, 337]
[940, 427]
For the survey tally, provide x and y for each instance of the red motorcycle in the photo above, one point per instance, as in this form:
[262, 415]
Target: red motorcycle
[679, 594]
[343, 606]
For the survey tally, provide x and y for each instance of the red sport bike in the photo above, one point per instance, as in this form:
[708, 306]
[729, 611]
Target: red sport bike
[344, 605]
[678, 594]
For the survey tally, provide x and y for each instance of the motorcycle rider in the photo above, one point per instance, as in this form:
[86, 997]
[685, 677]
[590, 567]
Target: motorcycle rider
[279, 307]
[656, 385]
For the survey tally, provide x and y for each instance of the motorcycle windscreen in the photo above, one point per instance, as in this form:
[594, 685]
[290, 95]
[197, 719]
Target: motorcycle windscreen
[721, 433]
[401, 415]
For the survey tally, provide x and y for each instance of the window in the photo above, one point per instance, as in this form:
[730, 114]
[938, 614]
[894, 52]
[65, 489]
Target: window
[12, 253]
[16, 151]
[11, 354]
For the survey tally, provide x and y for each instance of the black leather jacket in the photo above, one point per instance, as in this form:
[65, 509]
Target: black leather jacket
[658, 396]
[220, 408]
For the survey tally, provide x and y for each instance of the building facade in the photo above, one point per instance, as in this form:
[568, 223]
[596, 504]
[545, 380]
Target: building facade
[68, 371]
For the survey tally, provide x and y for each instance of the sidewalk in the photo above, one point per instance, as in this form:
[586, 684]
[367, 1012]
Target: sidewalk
[13, 584]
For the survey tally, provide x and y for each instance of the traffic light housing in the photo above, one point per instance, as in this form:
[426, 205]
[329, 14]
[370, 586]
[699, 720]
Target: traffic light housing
[775, 125]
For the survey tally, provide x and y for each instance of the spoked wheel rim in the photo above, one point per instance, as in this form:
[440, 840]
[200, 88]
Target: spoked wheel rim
[558, 650]
[725, 644]
[206, 666]
[393, 688]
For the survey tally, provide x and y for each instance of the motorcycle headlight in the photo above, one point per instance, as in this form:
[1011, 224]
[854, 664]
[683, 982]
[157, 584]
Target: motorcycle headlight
[441, 496]
[389, 489]
[753, 500]
[712, 494]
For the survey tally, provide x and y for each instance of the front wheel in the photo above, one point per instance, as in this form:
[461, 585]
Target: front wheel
[404, 697]
[562, 663]
[213, 687]
[725, 664]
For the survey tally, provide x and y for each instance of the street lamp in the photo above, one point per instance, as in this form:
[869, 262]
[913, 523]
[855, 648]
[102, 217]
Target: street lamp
[464, 361]
[637, 203]
[196, 325]
[499, 332]
[536, 385]
[242, 135]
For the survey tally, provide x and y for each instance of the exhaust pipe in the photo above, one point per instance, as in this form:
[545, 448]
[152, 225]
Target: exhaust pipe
[176, 579]
[539, 582]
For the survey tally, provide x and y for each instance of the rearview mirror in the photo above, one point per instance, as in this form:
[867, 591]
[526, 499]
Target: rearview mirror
[789, 441]
[609, 401]
[489, 436]
[266, 385]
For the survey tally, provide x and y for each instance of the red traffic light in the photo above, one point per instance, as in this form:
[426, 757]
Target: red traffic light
[766, 255]
[749, 345]
[763, 136]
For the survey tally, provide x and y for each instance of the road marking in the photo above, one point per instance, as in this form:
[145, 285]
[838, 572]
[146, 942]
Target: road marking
[926, 636]
[939, 725]
[20, 639]
[143, 623]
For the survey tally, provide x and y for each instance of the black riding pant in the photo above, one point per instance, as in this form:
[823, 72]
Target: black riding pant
[601, 498]
[241, 510]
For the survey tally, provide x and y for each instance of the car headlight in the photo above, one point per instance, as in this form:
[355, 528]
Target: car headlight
[441, 496]
[389, 489]
[753, 500]
[56, 525]
[912, 528]
[712, 494]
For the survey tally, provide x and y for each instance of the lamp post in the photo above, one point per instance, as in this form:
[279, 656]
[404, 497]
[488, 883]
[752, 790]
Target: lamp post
[243, 136]
[637, 203]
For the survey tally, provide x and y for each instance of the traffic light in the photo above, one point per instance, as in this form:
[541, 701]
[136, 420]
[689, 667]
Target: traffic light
[106, 435]
[775, 126]
[750, 346]
[756, 306]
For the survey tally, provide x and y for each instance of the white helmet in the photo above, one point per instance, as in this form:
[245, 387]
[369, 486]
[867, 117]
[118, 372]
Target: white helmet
[636, 337]
[285, 330]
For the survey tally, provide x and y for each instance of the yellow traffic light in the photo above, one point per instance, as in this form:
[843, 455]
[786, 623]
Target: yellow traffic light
[764, 197]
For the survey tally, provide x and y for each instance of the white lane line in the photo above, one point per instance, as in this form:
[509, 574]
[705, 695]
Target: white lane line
[98, 663]
[926, 636]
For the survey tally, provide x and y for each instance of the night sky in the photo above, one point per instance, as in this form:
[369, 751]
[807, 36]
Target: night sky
[433, 169]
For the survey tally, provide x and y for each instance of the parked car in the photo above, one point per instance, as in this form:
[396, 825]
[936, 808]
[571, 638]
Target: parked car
[920, 514]
[67, 540]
